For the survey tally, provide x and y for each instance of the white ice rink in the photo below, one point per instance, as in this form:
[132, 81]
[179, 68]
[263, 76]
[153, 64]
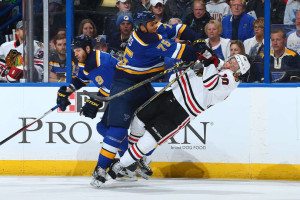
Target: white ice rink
[78, 188]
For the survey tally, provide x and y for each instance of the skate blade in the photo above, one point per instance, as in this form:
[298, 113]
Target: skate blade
[142, 174]
[126, 179]
[96, 184]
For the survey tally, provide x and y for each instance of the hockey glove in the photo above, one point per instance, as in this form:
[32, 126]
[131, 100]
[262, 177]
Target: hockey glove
[205, 54]
[3, 70]
[63, 98]
[14, 74]
[90, 108]
[207, 59]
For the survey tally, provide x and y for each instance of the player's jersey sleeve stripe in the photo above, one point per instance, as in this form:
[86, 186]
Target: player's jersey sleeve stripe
[181, 51]
[139, 39]
[98, 61]
[140, 71]
[178, 51]
[211, 82]
[181, 29]
[105, 92]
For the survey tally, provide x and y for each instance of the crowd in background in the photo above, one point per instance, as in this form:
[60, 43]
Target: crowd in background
[228, 26]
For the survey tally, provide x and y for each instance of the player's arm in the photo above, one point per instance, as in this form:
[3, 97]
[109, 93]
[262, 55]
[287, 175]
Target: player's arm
[64, 92]
[179, 31]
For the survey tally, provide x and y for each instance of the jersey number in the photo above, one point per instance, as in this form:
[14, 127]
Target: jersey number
[163, 45]
[128, 53]
[225, 80]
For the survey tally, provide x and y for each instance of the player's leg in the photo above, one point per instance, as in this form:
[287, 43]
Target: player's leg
[170, 117]
[120, 114]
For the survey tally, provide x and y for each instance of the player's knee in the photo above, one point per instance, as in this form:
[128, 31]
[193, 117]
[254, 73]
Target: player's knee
[137, 127]
[147, 143]
[102, 129]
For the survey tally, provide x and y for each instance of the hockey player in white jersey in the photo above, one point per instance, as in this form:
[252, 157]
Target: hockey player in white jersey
[189, 96]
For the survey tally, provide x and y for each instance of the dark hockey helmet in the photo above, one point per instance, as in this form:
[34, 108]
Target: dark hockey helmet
[143, 18]
[82, 41]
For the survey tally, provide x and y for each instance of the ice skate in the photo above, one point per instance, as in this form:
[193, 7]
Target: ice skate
[144, 169]
[99, 177]
[115, 169]
[128, 173]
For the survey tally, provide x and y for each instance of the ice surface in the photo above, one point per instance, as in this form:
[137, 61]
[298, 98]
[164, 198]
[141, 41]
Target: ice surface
[78, 188]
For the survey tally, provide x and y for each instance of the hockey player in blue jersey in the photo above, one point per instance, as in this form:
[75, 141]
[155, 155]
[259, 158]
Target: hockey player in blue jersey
[143, 58]
[98, 67]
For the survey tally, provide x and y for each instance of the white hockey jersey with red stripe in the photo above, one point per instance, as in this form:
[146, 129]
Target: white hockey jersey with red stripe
[195, 94]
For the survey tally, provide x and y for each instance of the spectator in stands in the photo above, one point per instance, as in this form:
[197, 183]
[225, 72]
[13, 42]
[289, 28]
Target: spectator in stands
[174, 21]
[237, 47]
[87, 27]
[239, 25]
[255, 8]
[119, 40]
[140, 6]
[57, 60]
[219, 45]
[157, 7]
[55, 6]
[60, 31]
[18, 45]
[254, 48]
[218, 9]
[290, 11]
[285, 63]
[277, 11]
[178, 8]
[123, 6]
[293, 40]
[253, 44]
[198, 19]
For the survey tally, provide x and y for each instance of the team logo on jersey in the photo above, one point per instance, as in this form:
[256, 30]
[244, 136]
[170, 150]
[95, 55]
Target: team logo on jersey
[99, 80]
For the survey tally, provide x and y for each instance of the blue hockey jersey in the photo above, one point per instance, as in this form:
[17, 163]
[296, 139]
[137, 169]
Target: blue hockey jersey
[98, 68]
[145, 52]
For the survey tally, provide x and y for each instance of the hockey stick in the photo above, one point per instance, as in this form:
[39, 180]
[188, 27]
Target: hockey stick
[28, 125]
[161, 91]
[176, 66]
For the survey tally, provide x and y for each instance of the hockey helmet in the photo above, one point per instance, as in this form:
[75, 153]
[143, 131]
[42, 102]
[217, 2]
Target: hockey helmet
[243, 63]
[82, 41]
[143, 18]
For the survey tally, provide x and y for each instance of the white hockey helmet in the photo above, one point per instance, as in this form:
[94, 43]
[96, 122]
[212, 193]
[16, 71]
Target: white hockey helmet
[243, 63]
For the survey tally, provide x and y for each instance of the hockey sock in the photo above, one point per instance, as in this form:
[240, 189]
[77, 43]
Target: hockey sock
[132, 138]
[111, 143]
[145, 145]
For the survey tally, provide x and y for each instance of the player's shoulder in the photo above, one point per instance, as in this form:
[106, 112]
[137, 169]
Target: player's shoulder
[9, 44]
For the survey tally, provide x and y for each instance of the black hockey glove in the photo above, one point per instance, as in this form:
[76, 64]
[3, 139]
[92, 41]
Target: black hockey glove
[63, 98]
[205, 54]
[90, 108]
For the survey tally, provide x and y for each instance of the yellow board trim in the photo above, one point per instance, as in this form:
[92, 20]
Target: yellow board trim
[160, 169]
